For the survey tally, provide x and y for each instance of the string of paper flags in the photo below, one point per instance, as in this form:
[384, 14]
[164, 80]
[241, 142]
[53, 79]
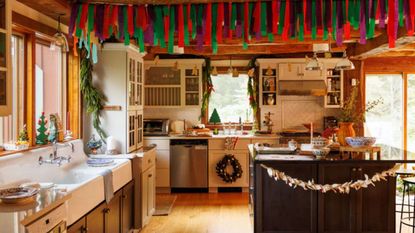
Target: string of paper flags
[209, 23]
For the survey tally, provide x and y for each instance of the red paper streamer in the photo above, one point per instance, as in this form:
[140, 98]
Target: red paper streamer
[167, 25]
[106, 24]
[230, 19]
[114, 15]
[83, 16]
[306, 29]
[208, 25]
[257, 17]
[181, 27]
[286, 21]
[391, 23]
[189, 19]
[220, 22]
[274, 17]
[141, 19]
[130, 22]
[347, 24]
[412, 12]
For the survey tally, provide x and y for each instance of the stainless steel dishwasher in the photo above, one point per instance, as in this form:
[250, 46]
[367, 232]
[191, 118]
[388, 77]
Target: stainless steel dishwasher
[188, 163]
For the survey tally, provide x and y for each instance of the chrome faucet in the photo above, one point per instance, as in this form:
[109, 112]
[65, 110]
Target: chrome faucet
[54, 158]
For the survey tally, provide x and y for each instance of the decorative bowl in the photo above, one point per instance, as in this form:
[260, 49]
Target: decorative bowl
[321, 152]
[360, 141]
[319, 142]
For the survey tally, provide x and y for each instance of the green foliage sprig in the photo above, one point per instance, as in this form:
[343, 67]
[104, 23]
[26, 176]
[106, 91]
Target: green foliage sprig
[349, 113]
[94, 99]
[252, 88]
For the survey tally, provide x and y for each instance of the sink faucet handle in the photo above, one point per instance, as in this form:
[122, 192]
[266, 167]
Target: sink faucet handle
[40, 160]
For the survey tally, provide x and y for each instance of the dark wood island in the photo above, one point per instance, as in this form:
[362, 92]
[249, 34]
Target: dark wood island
[277, 207]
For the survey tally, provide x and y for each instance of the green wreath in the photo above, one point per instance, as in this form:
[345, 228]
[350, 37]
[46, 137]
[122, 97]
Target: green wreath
[229, 159]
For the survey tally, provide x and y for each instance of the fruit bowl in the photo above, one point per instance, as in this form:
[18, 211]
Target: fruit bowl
[360, 141]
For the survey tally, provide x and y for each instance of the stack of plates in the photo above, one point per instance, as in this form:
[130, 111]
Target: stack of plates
[99, 162]
[20, 195]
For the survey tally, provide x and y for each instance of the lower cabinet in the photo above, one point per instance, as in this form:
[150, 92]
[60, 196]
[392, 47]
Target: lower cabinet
[215, 156]
[148, 193]
[107, 218]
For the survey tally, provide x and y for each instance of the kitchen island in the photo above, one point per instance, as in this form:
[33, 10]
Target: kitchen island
[277, 207]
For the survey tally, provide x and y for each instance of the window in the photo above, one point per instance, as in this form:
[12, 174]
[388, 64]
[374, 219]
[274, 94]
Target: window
[10, 125]
[49, 87]
[230, 98]
[385, 122]
[411, 115]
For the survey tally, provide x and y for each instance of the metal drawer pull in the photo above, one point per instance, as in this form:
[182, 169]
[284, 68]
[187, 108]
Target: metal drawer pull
[150, 175]
[106, 210]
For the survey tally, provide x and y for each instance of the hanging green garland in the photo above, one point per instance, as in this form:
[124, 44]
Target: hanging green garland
[252, 88]
[93, 99]
[207, 81]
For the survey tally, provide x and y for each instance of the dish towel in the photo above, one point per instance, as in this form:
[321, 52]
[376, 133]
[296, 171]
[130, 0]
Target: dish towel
[109, 190]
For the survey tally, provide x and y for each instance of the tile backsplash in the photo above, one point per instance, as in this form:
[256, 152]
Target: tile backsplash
[290, 111]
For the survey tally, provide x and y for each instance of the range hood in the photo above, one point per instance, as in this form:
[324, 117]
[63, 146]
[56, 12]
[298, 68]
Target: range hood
[300, 87]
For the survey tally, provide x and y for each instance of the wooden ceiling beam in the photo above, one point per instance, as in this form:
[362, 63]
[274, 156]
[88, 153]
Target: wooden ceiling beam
[156, 2]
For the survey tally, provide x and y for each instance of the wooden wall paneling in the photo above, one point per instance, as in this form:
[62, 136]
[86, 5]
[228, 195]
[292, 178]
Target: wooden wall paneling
[390, 64]
[405, 116]
[74, 95]
[30, 87]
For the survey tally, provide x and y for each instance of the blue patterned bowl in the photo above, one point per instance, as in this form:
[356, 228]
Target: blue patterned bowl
[360, 141]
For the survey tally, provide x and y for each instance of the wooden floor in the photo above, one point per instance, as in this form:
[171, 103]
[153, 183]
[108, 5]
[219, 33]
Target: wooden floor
[204, 212]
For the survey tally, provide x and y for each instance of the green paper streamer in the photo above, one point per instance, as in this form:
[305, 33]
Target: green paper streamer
[281, 22]
[301, 24]
[213, 31]
[401, 13]
[159, 27]
[325, 29]
[263, 18]
[251, 10]
[171, 28]
[186, 25]
[313, 20]
[372, 23]
[233, 18]
[141, 40]
[193, 18]
[270, 37]
[78, 32]
[126, 33]
[90, 18]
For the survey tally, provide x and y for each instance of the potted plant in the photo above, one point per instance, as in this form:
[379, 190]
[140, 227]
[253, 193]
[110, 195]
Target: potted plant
[350, 115]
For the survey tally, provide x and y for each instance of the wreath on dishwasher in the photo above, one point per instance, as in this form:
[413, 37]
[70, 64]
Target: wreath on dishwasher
[222, 171]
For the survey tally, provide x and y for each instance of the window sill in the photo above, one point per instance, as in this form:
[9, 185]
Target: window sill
[12, 152]
[247, 126]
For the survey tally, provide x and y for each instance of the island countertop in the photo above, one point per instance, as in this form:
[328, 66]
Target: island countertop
[331, 158]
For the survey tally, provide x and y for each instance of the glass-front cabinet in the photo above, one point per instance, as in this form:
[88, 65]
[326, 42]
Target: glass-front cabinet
[5, 68]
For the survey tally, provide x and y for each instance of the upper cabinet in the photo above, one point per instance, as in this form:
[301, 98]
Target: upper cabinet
[5, 63]
[297, 71]
[173, 83]
[135, 73]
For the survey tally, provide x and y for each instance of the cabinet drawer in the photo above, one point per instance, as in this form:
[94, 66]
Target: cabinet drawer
[219, 144]
[162, 144]
[162, 159]
[149, 159]
[273, 141]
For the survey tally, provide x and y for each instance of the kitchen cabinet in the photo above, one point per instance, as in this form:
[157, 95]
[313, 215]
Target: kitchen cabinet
[173, 83]
[335, 86]
[268, 84]
[162, 163]
[280, 208]
[127, 200]
[114, 217]
[5, 58]
[296, 71]
[148, 187]
[120, 73]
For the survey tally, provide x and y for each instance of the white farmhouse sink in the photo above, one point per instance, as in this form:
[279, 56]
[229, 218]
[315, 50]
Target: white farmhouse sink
[86, 184]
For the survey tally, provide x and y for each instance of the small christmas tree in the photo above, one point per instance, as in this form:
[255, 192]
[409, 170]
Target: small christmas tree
[42, 137]
[23, 135]
[214, 118]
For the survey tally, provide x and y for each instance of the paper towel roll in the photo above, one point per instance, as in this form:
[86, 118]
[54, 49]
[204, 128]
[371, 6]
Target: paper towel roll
[111, 143]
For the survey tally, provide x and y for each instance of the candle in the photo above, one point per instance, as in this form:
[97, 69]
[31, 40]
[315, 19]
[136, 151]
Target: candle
[68, 121]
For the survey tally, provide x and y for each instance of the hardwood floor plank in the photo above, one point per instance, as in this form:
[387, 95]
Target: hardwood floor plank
[204, 212]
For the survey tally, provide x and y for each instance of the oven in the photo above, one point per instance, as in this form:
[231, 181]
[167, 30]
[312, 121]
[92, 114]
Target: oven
[156, 127]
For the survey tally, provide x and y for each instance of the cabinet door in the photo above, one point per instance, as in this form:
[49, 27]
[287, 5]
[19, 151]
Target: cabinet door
[131, 131]
[95, 220]
[376, 204]
[78, 227]
[132, 82]
[215, 156]
[290, 71]
[139, 83]
[192, 88]
[148, 194]
[127, 207]
[333, 204]
[281, 208]
[139, 129]
[113, 214]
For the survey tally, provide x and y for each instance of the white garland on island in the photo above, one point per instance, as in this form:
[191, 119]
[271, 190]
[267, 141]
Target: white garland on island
[336, 188]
